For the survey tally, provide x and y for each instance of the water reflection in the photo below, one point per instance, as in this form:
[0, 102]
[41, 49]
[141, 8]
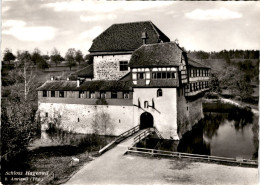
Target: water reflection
[233, 134]
[222, 134]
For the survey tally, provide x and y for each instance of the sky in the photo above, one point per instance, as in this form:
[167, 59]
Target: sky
[199, 25]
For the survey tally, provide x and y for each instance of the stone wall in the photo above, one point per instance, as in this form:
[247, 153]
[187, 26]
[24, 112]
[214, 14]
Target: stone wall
[189, 113]
[79, 118]
[107, 67]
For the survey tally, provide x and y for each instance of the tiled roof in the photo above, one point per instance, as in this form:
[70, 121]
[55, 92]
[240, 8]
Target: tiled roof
[161, 54]
[127, 37]
[60, 85]
[87, 85]
[160, 83]
[127, 77]
[105, 85]
[86, 72]
[196, 64]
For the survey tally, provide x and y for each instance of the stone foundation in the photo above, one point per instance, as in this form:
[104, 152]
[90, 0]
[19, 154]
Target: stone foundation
[190, 112]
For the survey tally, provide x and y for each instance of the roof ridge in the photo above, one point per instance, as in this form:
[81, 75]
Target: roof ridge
[155, 29]
[159, 43]
[131, 22]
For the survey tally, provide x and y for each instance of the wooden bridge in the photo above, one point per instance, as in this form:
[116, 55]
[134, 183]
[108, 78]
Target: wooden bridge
[138, 136]
[135, 135]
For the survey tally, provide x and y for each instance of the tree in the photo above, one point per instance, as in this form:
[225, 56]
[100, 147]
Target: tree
[46, 57]
[24, 57]
[214, 83]
[233, 79]
[89, 59]
[19, 125]
[36, 56]
[56, 57]
[24, 74]
[38, 59]
[8, 55]
[79, 56]
[70, 57]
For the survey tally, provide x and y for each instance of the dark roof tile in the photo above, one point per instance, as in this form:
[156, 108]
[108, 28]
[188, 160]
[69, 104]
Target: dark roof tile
[127, 37]
[87, 85]
[160, 83]
[161, 54]
[86, 72]
[196, 64]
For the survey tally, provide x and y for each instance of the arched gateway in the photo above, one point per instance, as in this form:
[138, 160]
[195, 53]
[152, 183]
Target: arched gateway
[146, 120]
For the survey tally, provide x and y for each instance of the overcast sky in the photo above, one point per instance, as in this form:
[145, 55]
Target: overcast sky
[209, 26]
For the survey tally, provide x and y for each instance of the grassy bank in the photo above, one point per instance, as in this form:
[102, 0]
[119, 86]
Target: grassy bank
[53, 164]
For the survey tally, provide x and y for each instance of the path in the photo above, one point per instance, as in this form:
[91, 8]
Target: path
[115, 168]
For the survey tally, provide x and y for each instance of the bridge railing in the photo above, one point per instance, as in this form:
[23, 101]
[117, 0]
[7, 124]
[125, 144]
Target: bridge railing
[143, 135]
[163, 153]
[120, 138]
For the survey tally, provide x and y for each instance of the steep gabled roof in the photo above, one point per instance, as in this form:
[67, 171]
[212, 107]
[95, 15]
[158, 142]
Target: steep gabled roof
[193, 63]
[86, 72]
[161, 54]
[127, 37]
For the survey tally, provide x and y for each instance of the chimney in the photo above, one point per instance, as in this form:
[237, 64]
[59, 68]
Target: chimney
[144, 36]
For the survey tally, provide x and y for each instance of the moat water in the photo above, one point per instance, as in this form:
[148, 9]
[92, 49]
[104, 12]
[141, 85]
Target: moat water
[217, 134]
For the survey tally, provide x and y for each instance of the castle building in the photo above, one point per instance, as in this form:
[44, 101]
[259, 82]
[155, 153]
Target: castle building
[138, 77]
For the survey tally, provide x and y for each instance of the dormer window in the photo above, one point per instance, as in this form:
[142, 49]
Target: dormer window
[52, 93]
[102, 94]
[114, 94]
[44, 93]
[126, 95]
[61, 94]
[92, 94]
[159, 92]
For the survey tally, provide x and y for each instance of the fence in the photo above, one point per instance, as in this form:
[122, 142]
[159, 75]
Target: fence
[163, 153]
[120, 138]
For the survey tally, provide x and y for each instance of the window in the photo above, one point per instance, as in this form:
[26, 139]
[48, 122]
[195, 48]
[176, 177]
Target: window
[126, 95]
[52, 93]
[164, 75]
[44, 93]
[123, 65]
[102, 94]
[146, 104]
[46, 114]
[92, 94]
[61, 94]
[81, 94]
[159, 92]
[191, 89]
[140, 75]
[113, 94]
